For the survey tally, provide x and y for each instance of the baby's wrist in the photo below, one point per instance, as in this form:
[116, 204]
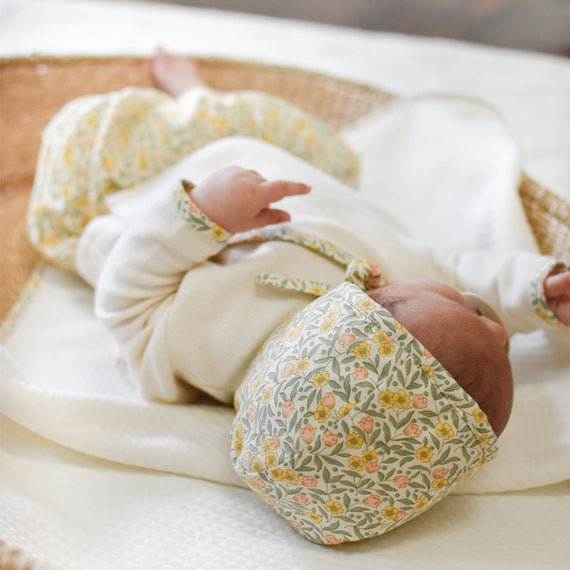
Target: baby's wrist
[191, 212]
[539, 298]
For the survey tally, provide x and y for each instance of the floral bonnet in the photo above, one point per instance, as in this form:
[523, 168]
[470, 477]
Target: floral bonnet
[348, 427]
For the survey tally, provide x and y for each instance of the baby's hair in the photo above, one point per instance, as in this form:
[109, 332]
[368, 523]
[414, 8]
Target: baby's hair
[477, 376]
[389, 302]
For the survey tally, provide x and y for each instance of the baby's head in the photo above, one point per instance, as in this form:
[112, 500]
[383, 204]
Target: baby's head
[348, 425]
[471, 347]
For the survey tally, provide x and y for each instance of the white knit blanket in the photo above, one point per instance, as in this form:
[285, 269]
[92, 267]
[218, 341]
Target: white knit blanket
[457, 189]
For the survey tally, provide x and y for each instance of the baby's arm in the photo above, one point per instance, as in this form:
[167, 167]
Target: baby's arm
[139, 283]
[521, 285]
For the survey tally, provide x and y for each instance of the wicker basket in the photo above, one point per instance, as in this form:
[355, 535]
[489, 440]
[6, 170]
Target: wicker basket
[33, 89]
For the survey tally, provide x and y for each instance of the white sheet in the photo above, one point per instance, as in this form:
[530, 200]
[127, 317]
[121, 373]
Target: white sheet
[62, 506]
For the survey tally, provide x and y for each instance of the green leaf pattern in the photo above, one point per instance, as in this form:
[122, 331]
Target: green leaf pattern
[348, 427]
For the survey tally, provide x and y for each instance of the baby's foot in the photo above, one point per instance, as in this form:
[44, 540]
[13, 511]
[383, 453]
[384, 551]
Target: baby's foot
[174, 74]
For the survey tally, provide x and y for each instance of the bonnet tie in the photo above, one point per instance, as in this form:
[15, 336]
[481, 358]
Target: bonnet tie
[359, 271]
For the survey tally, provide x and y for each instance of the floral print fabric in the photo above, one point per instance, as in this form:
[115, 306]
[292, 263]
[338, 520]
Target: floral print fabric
[99, 144]
[348, 427]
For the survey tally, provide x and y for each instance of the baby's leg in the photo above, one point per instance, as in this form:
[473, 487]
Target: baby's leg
[175, 74]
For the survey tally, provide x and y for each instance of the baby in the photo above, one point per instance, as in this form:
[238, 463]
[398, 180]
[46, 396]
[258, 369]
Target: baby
[388, 389]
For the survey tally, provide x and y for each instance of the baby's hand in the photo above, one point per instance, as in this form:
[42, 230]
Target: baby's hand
[557, 292]
[239, 200]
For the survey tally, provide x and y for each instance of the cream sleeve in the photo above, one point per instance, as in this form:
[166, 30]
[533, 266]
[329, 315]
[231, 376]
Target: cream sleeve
[139, 281]
[511, 282]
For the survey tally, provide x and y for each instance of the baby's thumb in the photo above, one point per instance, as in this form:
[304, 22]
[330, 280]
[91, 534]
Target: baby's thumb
[269, 216]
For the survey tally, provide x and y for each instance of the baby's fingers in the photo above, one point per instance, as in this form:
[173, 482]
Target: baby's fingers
[557, 285]
[276, 190]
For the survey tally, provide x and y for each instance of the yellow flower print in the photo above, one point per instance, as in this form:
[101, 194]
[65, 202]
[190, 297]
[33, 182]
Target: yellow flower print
[315, 517]
[238, 439]
[68, 156]
[277, 473]
[366, 304]
[80, 202]
[361, 350]
[345, 409]
[334, 508]
[109, 164]
[143, 163]
[439, 484]
[399, 326]
[424, 454]
[443, 430]
[356, 463]
[256, 384]
[402, 400]
[390, 512]
[321, 379]
[322, 413]
[256, 465]
[317, 291]
[428, 370]
[386, 349]
[310, 139]
[266, 396]
[386, 398]
[326, 325]
[301, 364]
[218, 233]
[479, 415]
[380, 337]
[219, 124]
[421, 504]
[291, 477]
[483, 439]
[354, 441]
[370, 455]
[271, 459]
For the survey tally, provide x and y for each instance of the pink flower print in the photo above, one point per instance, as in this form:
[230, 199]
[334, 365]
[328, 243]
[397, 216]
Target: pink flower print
[371, 466]
[412, 430]
[251, 413]
[328, 400]
[274, 442]
[372, 501]
[330, 439]
[402, 481]
[367, 424]
[302, 500]
[346, 339]
[246, 457]
[309, 481]
[307, 433]
[287, 369]
[332, 539]
[440, 473]
[400, 516]
[360, 373]
[420, 402]
[260, 482]
[288, 408]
